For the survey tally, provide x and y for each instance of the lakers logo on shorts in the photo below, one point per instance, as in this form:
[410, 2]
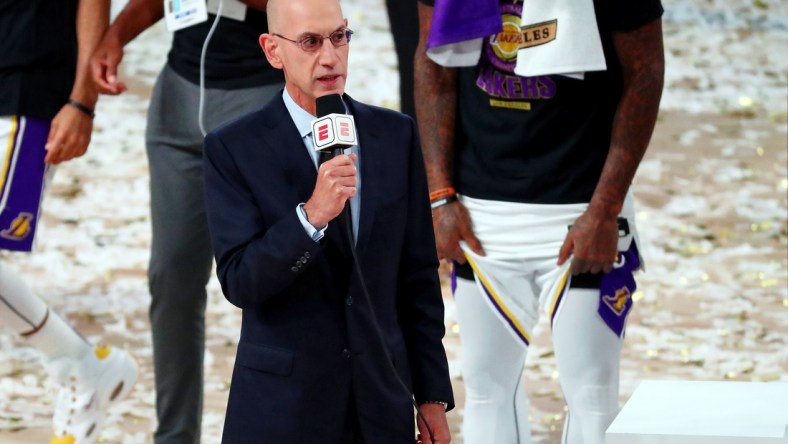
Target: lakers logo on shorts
[617, 302]
[20, 227]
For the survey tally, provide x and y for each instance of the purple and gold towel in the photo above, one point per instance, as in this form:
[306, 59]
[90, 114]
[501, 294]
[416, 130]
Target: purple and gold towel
[458, 27]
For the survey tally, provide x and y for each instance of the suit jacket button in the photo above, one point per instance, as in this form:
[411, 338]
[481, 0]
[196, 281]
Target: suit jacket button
[294, 269]
[349, 301]
[307, 255]
[346, 354]
[302, 260]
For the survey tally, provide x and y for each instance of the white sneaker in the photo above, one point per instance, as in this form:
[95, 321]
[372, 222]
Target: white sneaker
[89, 388]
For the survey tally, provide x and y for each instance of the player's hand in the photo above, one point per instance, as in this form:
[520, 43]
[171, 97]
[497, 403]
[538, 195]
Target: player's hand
[452, 223]
[435, 414]
[593, 239]
[336, 183]
[69, 135]
[104, 65]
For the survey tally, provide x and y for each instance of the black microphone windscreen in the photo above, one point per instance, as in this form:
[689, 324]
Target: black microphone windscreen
[329, 104]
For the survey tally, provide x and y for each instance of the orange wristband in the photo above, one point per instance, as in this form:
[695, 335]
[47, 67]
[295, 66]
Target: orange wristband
[441, 193]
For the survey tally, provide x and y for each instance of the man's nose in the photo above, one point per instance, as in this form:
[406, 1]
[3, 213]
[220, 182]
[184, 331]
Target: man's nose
[328, 53]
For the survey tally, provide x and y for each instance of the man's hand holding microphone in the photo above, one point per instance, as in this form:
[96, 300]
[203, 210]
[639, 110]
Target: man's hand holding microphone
[336, 184]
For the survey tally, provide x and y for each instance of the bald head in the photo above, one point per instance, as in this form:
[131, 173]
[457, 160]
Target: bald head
[279, 10]
[298, 43]
[271, 12]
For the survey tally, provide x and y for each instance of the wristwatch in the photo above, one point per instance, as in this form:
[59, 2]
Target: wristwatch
[444, 404]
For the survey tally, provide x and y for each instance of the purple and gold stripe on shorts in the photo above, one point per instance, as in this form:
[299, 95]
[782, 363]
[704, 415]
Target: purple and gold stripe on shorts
[500, 307]
[22, 182]
[558, 297]
[11, 150]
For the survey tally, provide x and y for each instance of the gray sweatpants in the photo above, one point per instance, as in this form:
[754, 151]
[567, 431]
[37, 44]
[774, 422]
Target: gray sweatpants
[181, 255]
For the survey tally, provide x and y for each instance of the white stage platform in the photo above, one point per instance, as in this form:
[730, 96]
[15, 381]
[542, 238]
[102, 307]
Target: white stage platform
[698, 412]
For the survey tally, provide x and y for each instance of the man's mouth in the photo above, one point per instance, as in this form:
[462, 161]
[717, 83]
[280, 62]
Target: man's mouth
[328, 79]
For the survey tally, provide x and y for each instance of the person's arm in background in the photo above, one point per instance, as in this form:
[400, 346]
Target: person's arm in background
[69, 135]
[435, 89]
[593, 238]
[256, 4]
[137, 16]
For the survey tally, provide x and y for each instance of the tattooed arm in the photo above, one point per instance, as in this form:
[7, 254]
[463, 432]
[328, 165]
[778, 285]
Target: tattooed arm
[435, 89]
[593, 238]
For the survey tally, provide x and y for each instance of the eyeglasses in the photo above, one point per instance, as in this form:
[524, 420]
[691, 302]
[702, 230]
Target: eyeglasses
[313, 42]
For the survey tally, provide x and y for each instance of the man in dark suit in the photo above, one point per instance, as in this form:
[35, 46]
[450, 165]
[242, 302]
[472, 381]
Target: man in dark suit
[312, 365]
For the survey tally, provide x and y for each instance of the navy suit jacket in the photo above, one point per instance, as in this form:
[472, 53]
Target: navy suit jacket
[308, 342]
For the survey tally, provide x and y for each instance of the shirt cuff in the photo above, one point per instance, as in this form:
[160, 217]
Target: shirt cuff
[313, 232]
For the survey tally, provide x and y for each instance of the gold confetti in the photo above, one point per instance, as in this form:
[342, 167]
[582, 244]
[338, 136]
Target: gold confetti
[730, 375]
[769, 283]
[723, 332]
[695, 249]
[748, 367]
[638, 295]
[784, 184]
[547, 419]
[554, 375]
[745, 101]
[684, 352]
[763, 226]
[455, 328]
[705, 277]
[766, 377]
[759, 151]
[785, 302]
[683, 280]
[652, 353]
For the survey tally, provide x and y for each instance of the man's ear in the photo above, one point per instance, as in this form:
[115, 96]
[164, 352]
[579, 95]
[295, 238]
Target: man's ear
[271, 50]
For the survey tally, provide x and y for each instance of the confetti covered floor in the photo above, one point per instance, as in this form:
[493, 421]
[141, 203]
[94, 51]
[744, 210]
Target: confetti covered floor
[712, 214]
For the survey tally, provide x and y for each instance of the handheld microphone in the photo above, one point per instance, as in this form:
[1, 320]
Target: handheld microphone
[333, 130]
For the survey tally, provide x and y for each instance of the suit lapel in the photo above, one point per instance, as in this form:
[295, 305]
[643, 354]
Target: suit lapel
[370, 169]
[282, 136]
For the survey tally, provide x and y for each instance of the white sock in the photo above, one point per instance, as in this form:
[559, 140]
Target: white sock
[24, 313]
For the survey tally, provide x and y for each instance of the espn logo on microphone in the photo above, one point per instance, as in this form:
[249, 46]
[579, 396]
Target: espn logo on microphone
[334, 130]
